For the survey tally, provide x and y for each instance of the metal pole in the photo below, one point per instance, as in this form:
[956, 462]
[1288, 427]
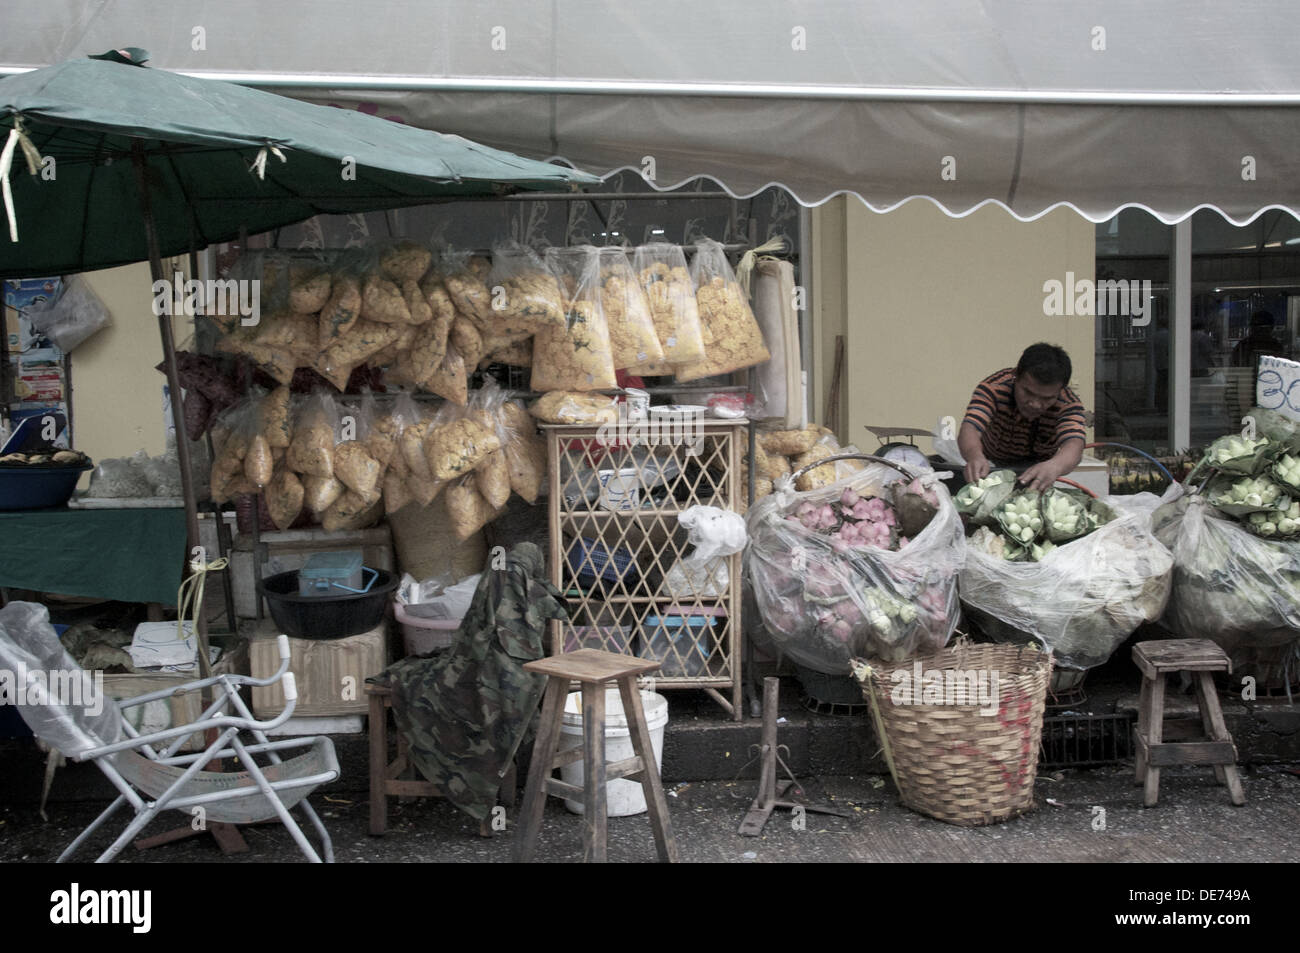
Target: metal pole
[174, 388]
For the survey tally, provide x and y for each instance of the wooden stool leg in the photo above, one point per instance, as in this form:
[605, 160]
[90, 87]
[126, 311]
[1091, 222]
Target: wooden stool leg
[1155, 732]
[1212, 716]
[655, 801]
[595, 809]
[378, 765]
[1207, 723]
[1143, 720]
[548, 736]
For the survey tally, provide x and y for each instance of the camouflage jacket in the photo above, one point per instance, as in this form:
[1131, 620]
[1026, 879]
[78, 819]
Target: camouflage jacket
[465, 712]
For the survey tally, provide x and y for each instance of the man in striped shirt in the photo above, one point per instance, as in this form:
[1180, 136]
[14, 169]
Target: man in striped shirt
[1025, 414]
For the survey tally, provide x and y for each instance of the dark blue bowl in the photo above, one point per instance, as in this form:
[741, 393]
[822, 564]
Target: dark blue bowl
[34, 488]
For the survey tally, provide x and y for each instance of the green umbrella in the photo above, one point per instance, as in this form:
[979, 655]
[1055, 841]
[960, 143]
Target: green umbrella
[219, 159]
[130, 164]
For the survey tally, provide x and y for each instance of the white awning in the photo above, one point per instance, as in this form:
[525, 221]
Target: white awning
[1168, 105]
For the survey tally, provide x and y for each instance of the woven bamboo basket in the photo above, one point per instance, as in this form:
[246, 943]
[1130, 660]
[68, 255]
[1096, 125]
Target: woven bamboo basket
[951, 755]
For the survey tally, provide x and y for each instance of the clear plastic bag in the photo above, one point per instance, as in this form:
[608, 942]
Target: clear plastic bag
[468, 511]
[525, 294]
[1083, 598]
[563, 407]
[633, 340]
[823, 601]
[118, 478]
[525, 451]
[1231, 586]
[670, 292]
[575, 356]
[72, 317]
[465, 278]
[315, 432]
[731, 335]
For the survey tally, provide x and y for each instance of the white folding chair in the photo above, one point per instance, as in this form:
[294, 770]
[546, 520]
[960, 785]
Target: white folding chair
[65, 709]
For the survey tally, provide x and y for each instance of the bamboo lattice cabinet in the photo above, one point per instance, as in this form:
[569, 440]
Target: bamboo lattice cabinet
[614, 501]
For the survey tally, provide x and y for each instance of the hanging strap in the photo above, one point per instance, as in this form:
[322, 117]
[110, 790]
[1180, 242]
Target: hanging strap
[17, 137]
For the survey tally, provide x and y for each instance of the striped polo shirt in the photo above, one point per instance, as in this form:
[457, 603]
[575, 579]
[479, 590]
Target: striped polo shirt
[1007, 436]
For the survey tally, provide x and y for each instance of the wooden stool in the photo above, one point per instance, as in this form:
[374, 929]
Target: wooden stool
[1157, 659]
[594, 670]
[386, 777]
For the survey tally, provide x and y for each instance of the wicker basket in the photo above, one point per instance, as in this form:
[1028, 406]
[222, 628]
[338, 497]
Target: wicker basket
[948, 760]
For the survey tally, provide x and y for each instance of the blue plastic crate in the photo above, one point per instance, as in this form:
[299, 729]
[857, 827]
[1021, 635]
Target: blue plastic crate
[590, 562]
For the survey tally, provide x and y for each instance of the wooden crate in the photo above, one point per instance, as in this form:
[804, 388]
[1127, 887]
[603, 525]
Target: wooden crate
[330, 673]
[180, 708]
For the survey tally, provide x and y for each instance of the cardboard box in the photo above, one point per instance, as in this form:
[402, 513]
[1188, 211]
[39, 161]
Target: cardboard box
[331, 673]
[180, 708]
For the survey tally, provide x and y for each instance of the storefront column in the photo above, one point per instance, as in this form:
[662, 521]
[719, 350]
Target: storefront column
[1180, 376]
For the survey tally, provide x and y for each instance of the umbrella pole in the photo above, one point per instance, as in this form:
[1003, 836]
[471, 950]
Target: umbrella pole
[174, 392]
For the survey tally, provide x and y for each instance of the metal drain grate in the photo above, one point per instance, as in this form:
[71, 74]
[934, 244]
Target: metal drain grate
[1071, 741]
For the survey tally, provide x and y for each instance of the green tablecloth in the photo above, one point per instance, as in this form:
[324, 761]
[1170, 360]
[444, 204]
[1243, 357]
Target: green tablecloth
[132, 555]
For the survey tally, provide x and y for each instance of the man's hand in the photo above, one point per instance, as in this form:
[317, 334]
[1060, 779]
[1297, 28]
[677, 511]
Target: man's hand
[977, 469]
[1041, 476]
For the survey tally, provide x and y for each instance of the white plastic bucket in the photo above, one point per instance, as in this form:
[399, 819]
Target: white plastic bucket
[622, 797]
[619, 489]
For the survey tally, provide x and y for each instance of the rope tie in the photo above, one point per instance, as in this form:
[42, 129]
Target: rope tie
[17, 137]
[190, 595]
[259, 164]
[745, 270]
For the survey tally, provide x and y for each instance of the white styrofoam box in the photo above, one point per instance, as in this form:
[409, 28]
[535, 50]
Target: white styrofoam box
[290, 550]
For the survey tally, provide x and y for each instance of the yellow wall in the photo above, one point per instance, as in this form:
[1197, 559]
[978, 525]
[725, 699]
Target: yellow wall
[930, 304]
[117, 396]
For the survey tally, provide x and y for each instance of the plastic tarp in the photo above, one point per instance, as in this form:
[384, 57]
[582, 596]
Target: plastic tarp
[1083, 598]
[60, 701]
[1165, 105]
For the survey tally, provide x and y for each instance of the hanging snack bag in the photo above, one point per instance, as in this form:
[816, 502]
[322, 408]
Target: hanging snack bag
[311, 452]
[349, 351]
[284, 498]
[309, 291]
[450, 379]
[404, 261]
[429, 347]
[563, 407]
[351, 512]
[227, 478]
[670, 292]
[456, 445]
[275, 418]
[468, 511]
[732, 337]
[465, 279]
[575, 356]
[319, 493]
[525, 294]
[632, 336]
[525, 451]
[493, 473]
[343, 307]
[382, 300]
